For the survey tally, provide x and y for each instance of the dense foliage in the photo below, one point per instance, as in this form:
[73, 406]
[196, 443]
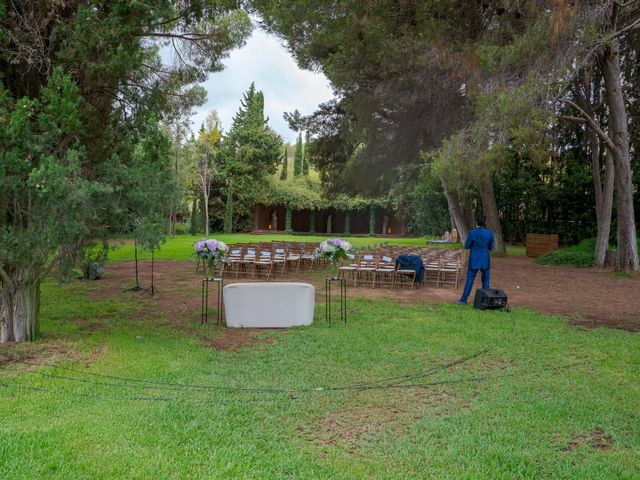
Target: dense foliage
[472, 86]
[82, 91]
[580, 255]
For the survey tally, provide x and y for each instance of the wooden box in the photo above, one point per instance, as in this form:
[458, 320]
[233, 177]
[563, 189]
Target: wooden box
[538, 244]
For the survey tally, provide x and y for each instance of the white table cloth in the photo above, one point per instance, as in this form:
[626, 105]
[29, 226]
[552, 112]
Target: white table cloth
[269, 304]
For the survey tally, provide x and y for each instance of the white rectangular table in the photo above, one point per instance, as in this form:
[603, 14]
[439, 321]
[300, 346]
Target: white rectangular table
[269, 304]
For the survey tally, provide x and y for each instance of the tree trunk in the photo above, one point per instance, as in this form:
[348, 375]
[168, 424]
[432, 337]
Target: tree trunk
[588, 95]
[19, 309]
[609, 61]
[228, 211]
[287, 221]
[372, 222]
[456, 211]
[206, 215]
[604, 198]
[488, 197]
[453, 221]
[194, 216]
[347, 223]
[312, 221]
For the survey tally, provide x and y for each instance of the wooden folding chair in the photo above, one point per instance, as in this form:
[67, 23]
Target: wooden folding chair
[349, 269]
[308, 257]
[366, 270]
[279, 260]
[247, 263]
[385, 274]
[431, 270]
[450, 270]
[404, 277]
[293, 257]
[232, 266]
[263, 265]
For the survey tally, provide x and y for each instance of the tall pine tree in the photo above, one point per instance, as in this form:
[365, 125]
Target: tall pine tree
[285, 163]
[250, 152]
[297, 158]
[305, 156]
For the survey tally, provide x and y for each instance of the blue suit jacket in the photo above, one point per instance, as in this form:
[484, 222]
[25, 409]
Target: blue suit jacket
[480, 242]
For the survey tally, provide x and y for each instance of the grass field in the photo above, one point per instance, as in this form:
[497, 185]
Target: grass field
[180, 247]
[498, 396]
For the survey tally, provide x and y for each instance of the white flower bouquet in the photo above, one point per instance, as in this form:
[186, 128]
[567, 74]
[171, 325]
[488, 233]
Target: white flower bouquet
[211, 252]
[334, 250]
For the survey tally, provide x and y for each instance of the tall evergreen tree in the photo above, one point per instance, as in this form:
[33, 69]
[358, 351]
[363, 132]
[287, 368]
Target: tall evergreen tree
[305, 155]
[250, 151]
[285, 163]
[297, 158]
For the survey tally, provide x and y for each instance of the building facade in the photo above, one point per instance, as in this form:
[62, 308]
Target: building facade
[371, 221]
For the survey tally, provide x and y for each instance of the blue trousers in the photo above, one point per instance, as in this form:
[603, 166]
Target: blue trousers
[471, 277]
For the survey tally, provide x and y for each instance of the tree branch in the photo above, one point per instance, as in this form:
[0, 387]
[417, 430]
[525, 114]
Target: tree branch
[48, 268]
[572, 119]
[632, 26]
[190, 37]
[170, 20]
[603, 136]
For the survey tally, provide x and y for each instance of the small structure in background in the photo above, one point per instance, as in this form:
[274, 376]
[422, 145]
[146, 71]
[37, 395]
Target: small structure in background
[306, 220]
[538, 244]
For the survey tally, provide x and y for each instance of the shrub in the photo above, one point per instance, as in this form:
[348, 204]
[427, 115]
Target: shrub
[580, 255]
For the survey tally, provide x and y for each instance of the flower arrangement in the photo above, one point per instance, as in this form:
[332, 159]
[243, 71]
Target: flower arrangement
[211, 252]
[334, 250]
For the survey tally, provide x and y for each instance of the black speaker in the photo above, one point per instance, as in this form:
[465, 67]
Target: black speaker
[490, 298]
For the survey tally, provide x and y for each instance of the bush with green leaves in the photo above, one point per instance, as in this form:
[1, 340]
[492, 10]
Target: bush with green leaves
[580, 255]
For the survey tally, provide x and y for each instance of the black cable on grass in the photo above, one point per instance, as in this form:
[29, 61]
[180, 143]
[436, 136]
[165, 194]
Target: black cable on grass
[317, 390]
[61, 393]
[433, 370]
[425, 373]
[401, 380]
[186, 387]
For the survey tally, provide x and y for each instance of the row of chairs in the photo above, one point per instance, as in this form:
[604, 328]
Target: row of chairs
[376, 271]
[446, 269]
[443, 267]
[269, 260]
[373, 267]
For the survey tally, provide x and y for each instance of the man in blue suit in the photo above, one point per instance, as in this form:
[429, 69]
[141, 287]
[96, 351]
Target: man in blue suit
[480, 242]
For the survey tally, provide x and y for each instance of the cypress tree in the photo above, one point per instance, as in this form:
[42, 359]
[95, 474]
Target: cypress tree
[297, 159]
[305, 156]
[285, 163]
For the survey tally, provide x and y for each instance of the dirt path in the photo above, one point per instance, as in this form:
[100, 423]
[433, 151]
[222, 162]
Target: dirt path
[587, 296]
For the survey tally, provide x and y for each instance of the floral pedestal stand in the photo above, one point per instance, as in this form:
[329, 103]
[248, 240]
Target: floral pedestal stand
[219, 281]
[342, 288]
[212, 253]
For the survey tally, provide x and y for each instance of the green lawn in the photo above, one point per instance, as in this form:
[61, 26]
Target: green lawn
[181, 246]
[547, 400]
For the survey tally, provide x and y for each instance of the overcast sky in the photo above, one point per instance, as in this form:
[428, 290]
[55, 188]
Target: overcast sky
[265, 61]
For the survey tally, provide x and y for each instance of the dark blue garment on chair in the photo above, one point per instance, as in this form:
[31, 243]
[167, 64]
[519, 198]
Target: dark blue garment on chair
[411, 262]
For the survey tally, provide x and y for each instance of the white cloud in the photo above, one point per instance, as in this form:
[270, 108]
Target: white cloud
[265, 61]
